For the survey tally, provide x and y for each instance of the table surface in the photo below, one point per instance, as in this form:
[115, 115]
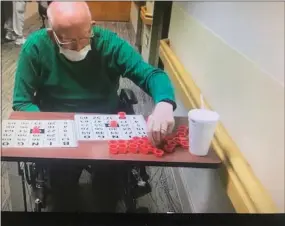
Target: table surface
[90, 151]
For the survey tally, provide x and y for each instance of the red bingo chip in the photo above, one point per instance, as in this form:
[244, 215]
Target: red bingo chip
[136, 138]
[169, 148]
[121, 142]
[185, 144]
[171, 143]
[36, 130]
[157, 152]
[145, 139]
[112, 142]
[176, 140]
[113, 123]
[113, 149]
[123, 148]
[133, 148]
[169, 137]
[122, 115]
[131, 142]
[182, 138]
[141, 142]
[145, 149]
[181, 134]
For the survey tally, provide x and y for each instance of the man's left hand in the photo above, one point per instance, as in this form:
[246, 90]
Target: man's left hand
[160, 122]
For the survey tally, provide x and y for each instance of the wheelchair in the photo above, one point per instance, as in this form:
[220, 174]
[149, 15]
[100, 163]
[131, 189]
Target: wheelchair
[135, 178]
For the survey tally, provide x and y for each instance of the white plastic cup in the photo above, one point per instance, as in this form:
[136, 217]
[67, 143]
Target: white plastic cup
[202, 125]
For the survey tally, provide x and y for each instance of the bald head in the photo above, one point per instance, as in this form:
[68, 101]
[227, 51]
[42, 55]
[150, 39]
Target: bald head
[70, 21]
[64, 15]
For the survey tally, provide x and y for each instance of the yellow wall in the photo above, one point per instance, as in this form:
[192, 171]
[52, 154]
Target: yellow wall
[244, 83]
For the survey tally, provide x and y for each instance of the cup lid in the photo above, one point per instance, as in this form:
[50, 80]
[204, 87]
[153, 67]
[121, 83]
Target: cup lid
[203, 115]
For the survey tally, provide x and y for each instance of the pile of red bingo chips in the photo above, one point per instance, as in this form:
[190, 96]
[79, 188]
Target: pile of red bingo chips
[142, 145]
[178, 139]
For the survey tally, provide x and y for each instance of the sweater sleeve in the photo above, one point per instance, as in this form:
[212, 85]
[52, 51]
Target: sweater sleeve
[131, 65]
[26, 80]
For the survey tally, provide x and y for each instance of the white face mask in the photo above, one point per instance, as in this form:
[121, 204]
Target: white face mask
[73, 55]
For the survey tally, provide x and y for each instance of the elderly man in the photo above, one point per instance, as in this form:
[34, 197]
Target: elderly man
[75, 67]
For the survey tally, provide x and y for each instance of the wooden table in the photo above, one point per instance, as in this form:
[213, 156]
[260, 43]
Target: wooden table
[90, 151]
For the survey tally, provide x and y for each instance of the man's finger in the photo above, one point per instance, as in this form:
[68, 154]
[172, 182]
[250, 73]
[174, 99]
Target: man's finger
[156, 132]
[164, 129]
[150, 128]
[170, 127]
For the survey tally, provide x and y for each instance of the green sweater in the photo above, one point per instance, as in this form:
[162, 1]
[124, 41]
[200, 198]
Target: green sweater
[89, 85]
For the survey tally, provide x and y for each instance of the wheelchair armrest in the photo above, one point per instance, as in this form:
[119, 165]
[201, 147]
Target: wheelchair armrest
[128, 96]
[35, 99]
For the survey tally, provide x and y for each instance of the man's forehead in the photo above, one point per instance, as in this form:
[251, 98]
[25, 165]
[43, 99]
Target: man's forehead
[74, 32]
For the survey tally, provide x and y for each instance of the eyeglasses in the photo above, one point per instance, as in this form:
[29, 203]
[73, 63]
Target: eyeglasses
[82, 41]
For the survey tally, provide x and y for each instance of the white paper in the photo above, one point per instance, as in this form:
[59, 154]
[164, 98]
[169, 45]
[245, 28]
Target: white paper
[54, 133]
[96, 127]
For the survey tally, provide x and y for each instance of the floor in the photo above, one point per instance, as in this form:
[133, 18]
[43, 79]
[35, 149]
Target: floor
[163, 198]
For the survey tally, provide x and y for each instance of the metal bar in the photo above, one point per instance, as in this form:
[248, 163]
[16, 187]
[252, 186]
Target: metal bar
[138, 41]
[129, 199]
[22, 174]
[160, 27]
